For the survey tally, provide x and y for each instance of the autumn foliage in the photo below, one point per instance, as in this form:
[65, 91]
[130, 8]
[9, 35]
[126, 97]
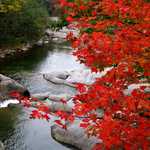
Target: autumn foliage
[113, 33]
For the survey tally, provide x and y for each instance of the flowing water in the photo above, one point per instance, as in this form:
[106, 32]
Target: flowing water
[17, 131]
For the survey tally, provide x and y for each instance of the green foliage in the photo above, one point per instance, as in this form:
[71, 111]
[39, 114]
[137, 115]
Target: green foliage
[88, 30]
[148, 1]
[129, 21]
[56, 25]
[93, 22]
[10, 5]
[24, 25]
[110, 29]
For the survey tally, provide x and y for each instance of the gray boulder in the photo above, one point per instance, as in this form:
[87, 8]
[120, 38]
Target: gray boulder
[52, 97]
[8, 85]
[74, 136]
[58, 78]
[57, 106]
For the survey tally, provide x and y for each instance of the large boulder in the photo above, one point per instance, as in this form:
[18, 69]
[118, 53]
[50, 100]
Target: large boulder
[58, 78]
[74, 136]
[7, 85]
[70, 78]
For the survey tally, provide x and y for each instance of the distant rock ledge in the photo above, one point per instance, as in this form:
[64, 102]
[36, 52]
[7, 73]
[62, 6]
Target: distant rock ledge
[10, 52]
[5, 53]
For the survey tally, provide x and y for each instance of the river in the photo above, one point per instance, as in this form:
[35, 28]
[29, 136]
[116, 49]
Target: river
[17, 131]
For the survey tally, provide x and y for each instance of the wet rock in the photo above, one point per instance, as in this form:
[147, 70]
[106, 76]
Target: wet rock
[74, 136]
[26, 47]
[57, 98]
[52, 97]
[40, 43]
[60, 75]
[54, 107]
[70, 78]
[2, 146]
[49, 33]
[57, 106]
[8, 85]
[40, 96]
[58, 78]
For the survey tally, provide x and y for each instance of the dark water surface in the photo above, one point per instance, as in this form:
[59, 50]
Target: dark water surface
[17, 131]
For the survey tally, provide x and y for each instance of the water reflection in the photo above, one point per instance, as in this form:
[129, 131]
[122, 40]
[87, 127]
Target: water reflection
[8, 118]
[27, 62]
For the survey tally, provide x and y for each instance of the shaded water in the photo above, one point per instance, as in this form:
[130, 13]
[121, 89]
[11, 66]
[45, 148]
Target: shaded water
[17, 131]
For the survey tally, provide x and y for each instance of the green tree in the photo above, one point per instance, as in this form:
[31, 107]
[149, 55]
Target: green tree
[24, 23]
[10, 5]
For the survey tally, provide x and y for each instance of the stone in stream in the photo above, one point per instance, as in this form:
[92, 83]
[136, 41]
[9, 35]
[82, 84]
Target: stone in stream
[52, 97]
[54, 101]
[74, 136]
[8, 85]
[40, 96]
[56, 106]
[58, 78]
[72, 77]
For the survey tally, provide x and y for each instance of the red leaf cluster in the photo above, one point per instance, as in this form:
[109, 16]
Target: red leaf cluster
[113, 33]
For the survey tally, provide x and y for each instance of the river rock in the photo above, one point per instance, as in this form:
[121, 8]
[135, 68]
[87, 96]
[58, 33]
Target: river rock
[70, 78]
[74, 136]
[49, 33]
[52, 97]
[58, 78]
[56, 106]
[40, 96]
[7, 85]
[2, 146]
[39, 43]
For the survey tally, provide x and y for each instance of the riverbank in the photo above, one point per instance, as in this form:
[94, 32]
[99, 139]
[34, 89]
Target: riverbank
[49, 36]
[6, 53]
[9, 52]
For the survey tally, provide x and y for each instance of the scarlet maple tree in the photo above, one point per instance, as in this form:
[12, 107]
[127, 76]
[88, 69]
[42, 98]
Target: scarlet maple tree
[116, 34]
[113, 33]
